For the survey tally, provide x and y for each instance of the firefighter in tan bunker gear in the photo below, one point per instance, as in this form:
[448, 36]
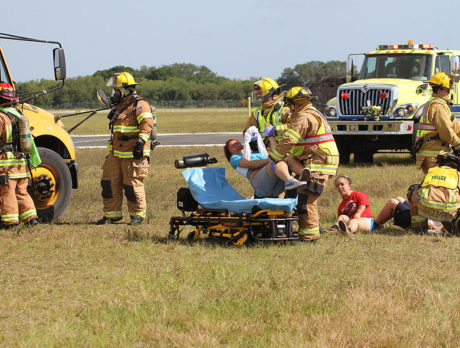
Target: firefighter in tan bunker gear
[437, 129]
[272, 112]
[15, 202]
[126, 165]
[308, 139]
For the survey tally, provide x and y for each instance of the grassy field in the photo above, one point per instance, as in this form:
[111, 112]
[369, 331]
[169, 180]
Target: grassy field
[169, 121]
[73, 283]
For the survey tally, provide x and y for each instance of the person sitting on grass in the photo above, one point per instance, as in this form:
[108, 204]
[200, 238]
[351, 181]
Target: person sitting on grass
[399, 209]
[267, 178]
[354, 213]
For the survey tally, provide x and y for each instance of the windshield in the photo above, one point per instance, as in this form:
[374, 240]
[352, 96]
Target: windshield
[397, 66]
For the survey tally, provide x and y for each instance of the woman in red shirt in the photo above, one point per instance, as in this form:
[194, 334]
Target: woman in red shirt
[354, 213]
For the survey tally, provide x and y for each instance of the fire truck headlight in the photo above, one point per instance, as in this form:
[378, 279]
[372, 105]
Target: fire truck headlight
[332, 112]
[400, 112]
[405, 110]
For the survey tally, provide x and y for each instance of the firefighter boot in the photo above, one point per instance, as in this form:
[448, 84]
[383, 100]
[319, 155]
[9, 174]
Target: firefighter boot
[105, 220]
[136, 220]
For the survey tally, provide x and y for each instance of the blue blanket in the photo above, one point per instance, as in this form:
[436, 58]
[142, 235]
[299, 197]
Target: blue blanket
[211, 190]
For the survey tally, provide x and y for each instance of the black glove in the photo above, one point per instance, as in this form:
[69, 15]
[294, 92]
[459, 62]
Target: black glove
[457, 150]
[138, 150]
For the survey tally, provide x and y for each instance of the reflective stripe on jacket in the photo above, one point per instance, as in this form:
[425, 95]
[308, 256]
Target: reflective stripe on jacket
[274, 118]
[318, 151]
[133, 121]
[425, 125]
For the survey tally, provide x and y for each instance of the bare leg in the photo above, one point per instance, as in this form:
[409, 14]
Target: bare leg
[294, 164]
[388, 211]
[358, 225]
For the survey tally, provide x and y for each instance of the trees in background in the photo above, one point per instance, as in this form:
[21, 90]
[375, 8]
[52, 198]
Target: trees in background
[311, 72]
[175, 82]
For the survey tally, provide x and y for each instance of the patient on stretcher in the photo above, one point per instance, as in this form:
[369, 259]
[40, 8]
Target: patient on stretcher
[267, 178]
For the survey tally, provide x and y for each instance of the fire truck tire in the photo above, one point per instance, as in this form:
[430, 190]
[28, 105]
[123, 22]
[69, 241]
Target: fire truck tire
[345, 156]
[364, 157]
[52, 186]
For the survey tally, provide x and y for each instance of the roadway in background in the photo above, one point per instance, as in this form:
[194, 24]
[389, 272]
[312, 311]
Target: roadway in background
[175, 139]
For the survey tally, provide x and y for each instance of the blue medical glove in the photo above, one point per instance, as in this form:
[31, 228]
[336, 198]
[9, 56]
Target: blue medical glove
[269, 131]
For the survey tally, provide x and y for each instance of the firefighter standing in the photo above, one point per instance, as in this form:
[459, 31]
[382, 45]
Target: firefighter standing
[15, 202]
[308, 139]
[437, 129]
[126, 165]
[272, 112]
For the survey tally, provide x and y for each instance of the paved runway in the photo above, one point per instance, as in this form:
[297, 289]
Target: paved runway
[176, 139]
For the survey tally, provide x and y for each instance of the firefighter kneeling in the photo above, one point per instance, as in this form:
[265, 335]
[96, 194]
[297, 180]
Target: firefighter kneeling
[16, 144]
[438, 198]
[309, 143]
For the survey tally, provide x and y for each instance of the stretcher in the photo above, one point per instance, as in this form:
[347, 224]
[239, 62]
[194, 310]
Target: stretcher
[215, 209]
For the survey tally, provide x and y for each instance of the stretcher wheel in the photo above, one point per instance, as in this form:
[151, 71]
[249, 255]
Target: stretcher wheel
[192, 236]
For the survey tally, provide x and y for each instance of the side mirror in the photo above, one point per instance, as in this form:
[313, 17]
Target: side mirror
[59, 64]
[102, 97]
[349, 69]
[455, 68]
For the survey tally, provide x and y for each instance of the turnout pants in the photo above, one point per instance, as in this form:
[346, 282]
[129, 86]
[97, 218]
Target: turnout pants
[15, 202]
[308, 206]
[124, 174]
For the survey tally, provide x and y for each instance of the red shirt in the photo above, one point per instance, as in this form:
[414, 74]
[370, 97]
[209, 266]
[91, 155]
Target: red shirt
[350, 205]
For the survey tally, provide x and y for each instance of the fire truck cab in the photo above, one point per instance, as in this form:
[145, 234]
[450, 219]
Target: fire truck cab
[377, 108]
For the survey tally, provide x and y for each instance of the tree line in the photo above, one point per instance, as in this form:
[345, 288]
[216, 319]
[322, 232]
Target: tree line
[175, 82]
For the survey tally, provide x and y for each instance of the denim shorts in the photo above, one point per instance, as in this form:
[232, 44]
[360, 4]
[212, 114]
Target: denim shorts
[265, 185]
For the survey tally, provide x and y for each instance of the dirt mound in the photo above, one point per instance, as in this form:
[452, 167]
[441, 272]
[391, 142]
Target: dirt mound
[325, 89]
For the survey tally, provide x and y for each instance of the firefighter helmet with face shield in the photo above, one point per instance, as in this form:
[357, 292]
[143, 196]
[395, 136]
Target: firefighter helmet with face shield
[122, 84]
[7, 92]
[441, 79]
[265, 89]
[298, 95]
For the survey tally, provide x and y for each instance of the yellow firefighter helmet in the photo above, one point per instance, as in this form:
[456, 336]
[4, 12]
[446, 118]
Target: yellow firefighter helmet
[265, 88]
[441, 79]
[121, 80]
[298, 95]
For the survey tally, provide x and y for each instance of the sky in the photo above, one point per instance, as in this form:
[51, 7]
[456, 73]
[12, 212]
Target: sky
[238, 39]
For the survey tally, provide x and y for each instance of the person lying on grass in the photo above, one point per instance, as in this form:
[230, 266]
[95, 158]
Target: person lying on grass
[267, 178]
[354, 213]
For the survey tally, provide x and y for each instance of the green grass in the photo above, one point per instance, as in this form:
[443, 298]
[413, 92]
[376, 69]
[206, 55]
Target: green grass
[73, 283]
[169, 121]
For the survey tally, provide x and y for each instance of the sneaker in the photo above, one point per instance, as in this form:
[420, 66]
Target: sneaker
[343, 228]
[333, 228]
[105, 220]
[136, 220]
[292, 184]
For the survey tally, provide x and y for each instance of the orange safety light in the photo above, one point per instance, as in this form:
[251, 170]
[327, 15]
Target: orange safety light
[395, 47]
[410, 42]
[344, 96]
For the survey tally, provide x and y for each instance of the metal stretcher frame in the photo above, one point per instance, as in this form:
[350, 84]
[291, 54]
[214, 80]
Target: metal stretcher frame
[237, 227]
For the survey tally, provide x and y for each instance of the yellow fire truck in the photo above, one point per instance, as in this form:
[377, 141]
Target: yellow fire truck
[53, 180]
[381, 108]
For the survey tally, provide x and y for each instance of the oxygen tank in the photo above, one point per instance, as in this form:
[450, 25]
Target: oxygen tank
[153, 133]
[24, 135]
[198, 160]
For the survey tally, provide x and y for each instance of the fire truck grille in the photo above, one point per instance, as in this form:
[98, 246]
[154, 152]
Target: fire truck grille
[352, 100]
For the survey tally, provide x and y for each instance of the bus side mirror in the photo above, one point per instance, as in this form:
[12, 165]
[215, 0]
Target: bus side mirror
[102, 97]
[59, 64]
